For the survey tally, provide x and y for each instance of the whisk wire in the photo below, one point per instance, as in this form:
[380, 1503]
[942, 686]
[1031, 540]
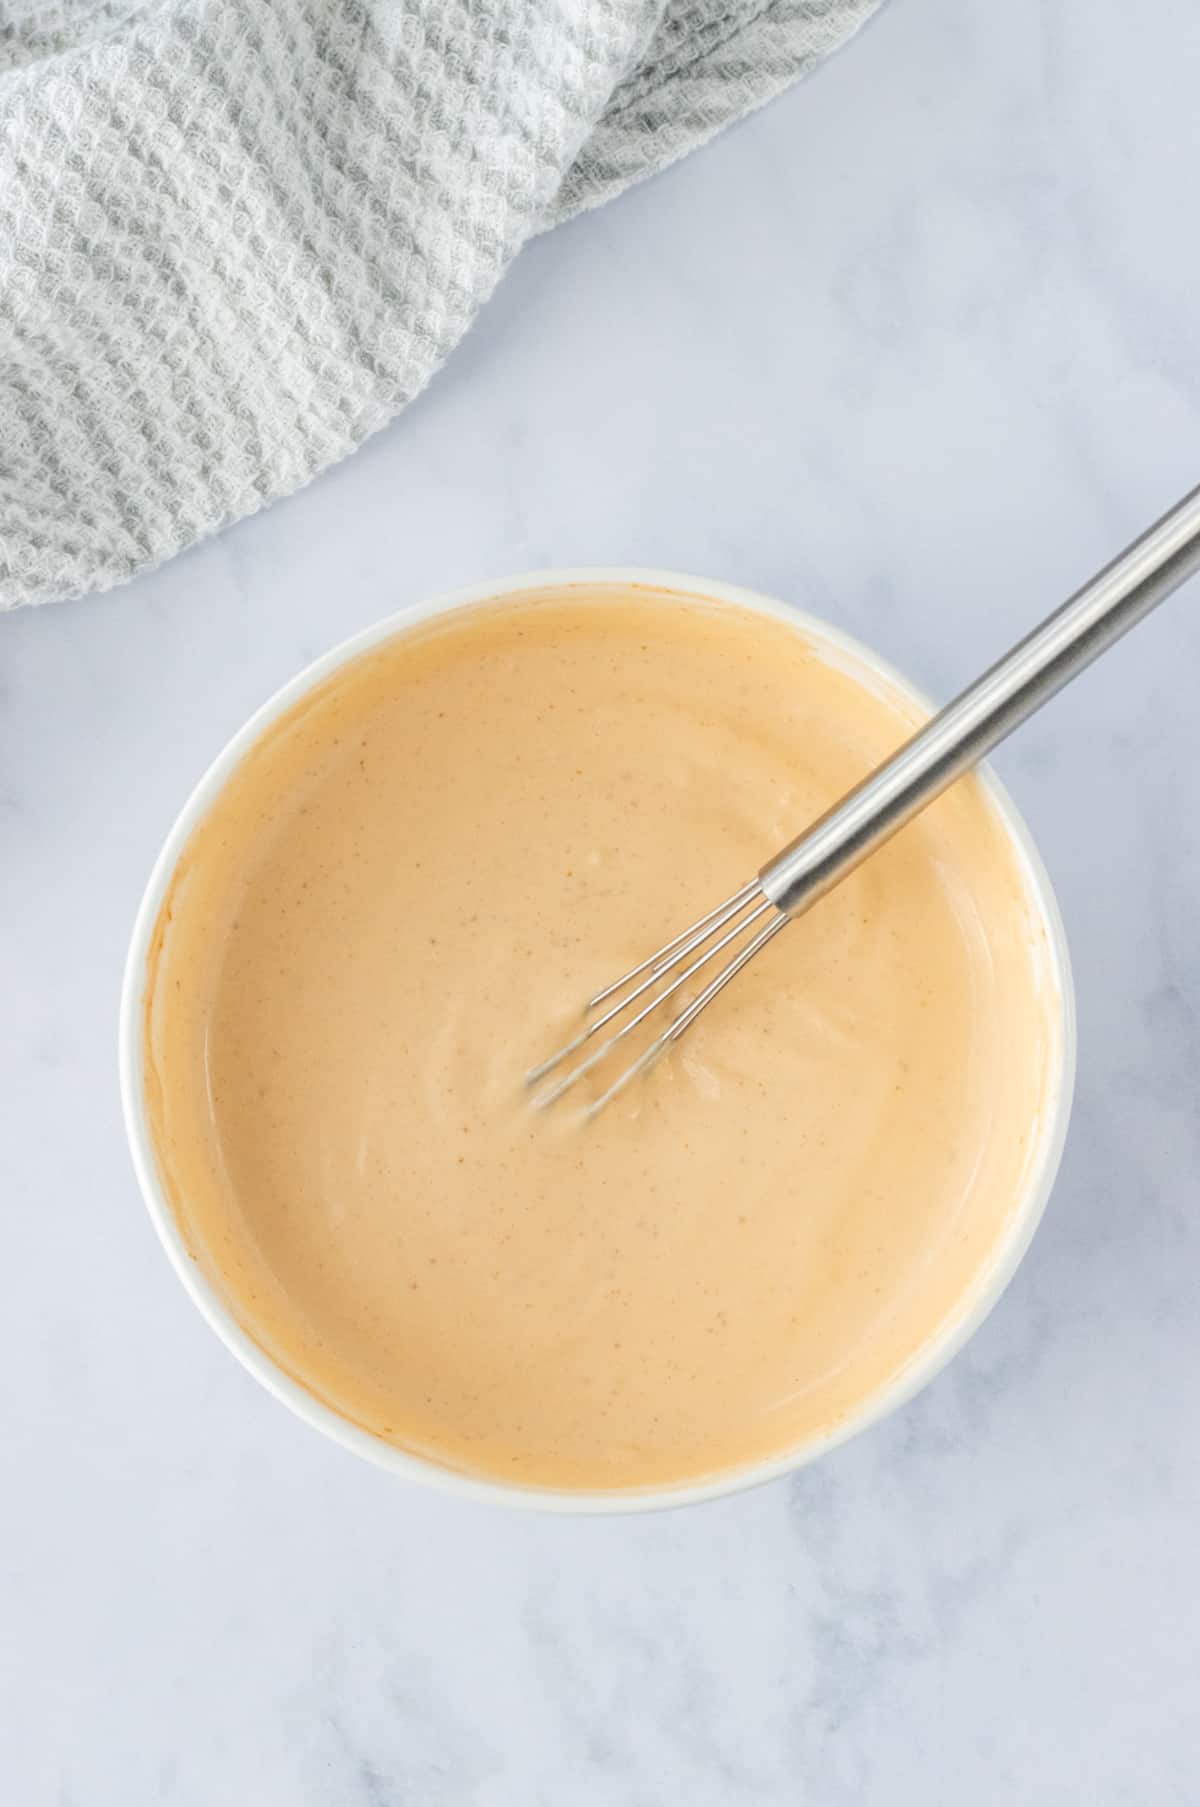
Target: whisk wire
[735, 919]
[686, 1017]
[675, 949]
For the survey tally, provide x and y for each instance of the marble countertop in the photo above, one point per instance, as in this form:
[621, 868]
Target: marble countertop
[918, 348]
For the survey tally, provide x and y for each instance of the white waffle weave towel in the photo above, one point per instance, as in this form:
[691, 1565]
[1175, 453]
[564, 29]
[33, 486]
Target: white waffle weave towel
[237, 236]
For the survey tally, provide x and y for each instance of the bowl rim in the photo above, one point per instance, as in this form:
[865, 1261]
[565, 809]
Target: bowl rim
[988, 1283]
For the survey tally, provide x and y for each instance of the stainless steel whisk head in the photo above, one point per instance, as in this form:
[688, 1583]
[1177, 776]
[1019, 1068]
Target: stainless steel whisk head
[657, 980]
[954, 740]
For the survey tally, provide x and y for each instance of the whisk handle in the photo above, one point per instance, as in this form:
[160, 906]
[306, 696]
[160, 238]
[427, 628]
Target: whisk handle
[967, 729]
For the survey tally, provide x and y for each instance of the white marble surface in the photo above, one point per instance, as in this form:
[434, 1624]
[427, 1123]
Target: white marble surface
[918, 347]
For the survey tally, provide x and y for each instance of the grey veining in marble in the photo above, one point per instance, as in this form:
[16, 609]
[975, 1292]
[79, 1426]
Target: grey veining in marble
[918, 347]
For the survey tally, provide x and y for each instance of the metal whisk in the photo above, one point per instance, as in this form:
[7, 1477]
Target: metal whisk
[951, 743]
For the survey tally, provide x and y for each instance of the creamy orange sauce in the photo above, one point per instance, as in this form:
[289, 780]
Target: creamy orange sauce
[397, 905]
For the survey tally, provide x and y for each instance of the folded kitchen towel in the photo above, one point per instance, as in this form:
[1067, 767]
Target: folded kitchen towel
[237, 236]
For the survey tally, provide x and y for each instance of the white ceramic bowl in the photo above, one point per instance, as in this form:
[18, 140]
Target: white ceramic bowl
[1050, 1131]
